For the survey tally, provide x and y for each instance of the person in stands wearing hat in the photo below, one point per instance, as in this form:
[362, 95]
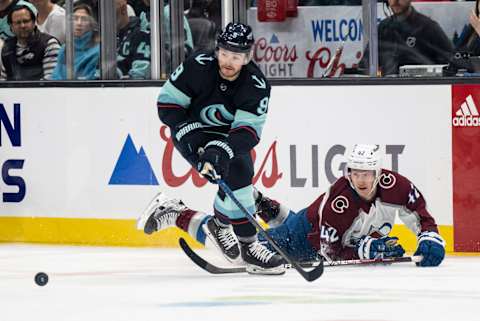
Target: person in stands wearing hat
[29, 54]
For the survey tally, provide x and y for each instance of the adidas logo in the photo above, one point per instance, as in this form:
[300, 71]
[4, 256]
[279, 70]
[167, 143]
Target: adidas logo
[467, 115]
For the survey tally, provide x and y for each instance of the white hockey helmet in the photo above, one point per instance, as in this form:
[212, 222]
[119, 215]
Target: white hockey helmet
[365, 157]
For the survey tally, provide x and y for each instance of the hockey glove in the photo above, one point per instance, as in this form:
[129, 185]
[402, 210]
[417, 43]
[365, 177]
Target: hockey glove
[384, 247]
[432, 247]
[188, 137]
[217, 156]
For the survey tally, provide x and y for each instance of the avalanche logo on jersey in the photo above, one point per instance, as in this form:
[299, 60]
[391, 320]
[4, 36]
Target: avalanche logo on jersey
[340, 204]
[413, 195]
[216, 115]
[387, 181]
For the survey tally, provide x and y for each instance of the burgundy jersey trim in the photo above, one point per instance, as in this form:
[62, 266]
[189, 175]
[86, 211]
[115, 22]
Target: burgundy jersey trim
[172, 106]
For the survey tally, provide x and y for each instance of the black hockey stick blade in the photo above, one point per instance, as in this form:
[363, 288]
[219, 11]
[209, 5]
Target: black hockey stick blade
[204, 264]
[310, 276]
[213, 269]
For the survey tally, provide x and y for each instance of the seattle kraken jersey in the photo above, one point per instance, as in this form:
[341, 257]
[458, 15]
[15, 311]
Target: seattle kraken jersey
[346, 217]
[196, 91]
[133, 51]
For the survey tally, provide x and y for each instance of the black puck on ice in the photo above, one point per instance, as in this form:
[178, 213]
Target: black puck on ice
[41, 278]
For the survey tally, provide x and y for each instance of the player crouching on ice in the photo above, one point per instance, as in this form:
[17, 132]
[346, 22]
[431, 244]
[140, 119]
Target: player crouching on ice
[356, 213]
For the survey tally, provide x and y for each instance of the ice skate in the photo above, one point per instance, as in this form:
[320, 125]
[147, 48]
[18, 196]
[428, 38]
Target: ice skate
[224, 239]
[162, 212]
[261, 260]
[269, 210]
[266, 206]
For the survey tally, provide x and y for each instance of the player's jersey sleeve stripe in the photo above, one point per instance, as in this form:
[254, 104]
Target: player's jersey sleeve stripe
[171, 95]
[245, 119]
[169, 106]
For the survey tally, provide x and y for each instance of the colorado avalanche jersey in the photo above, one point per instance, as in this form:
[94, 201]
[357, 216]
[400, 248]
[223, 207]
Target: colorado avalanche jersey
[195, 91]
[346, 217]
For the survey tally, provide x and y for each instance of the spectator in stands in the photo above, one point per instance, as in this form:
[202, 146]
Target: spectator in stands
[408, 37]
[51, 18]
[203, 29]
[30, 54]
[214, 13]
[469, 40]
[5, 7]
[86, 44]
[133, 45]
[145, 18]
[94, 4]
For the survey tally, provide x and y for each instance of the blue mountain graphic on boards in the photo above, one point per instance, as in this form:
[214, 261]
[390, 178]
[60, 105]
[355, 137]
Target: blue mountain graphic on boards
[132, 168]
[274, 39]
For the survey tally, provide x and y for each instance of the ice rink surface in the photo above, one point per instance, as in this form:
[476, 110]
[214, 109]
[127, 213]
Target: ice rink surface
[99, 283]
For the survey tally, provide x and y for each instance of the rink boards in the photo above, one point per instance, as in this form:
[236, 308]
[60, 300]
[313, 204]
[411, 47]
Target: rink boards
[80, 164]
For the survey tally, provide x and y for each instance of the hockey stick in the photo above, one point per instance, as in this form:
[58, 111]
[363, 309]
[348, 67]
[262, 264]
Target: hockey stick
[213, 269]
[204, 264]
[307, 275]
[385, 261]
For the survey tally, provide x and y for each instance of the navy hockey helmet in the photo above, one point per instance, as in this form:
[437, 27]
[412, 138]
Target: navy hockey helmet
[236, 37]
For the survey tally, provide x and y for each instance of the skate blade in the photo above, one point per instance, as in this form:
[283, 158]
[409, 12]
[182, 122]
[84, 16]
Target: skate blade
[253, 269]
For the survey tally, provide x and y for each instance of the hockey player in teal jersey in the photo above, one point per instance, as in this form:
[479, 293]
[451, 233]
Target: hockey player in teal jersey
[216, 104]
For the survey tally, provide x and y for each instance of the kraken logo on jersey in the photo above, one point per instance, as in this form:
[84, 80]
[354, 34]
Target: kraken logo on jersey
[340, 204]
[216, 115]
[387, 181]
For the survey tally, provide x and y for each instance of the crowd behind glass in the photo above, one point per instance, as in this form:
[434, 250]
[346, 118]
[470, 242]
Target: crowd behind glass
[33, 38]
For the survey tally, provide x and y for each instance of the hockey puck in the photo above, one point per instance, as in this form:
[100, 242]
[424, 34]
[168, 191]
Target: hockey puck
[41, 278]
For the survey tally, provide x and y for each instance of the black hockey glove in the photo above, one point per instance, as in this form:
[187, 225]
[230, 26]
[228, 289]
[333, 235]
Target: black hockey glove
[188, 137]
[216, 156]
